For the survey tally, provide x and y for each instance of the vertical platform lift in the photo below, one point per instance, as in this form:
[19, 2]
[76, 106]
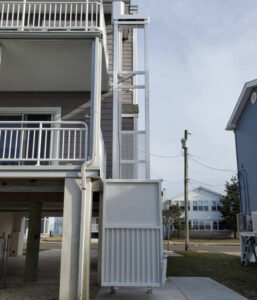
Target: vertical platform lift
[132, 253]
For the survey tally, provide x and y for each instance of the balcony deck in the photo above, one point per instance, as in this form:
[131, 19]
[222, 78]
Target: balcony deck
[42, 147]
[54, 16]
[63, 31]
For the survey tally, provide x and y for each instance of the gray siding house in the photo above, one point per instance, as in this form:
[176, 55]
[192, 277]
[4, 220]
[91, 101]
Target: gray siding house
[244, 124]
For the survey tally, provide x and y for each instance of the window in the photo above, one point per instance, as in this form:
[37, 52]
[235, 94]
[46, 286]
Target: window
[195, 224]
[15, 143]
[214, 206]
[207, 225]
[7, 143]
[182, 205]
[190, 222]
[218, 206]
[205, 206]
[195, 205]
[215, 225]
[200, 205]
[201, 225]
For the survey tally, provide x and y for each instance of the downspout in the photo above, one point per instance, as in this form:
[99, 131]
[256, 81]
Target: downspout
[86, 202]
[85, 235]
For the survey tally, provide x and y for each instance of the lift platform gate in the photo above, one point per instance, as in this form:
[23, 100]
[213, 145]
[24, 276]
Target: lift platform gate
[132, 233]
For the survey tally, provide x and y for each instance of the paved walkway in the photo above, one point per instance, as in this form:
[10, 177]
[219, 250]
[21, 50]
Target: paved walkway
[176, 288]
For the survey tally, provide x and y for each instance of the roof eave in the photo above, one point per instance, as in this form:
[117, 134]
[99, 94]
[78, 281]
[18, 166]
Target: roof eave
[246, 91]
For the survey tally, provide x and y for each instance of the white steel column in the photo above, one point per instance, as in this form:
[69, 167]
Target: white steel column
[95, 109]
[17, 236]
[70, 239]
[147, 106]
[85, 242]
[116, 101]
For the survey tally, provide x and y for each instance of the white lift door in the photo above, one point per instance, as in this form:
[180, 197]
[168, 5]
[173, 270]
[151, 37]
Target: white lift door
[132, 233]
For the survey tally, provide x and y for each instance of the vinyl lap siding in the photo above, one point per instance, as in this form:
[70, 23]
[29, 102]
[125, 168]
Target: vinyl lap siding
[246, 142]
[107, 98]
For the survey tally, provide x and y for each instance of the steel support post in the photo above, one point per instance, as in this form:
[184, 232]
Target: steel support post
[85, 242]
[116, 101]
[147, 104]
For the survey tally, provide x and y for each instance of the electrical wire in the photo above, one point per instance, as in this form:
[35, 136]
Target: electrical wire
[168, 181]
[203, 183]
[211, 159]
[162, 156]
[209, 167]
[210, 141]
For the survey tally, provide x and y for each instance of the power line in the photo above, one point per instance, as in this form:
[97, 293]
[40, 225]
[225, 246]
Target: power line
[160, 155]
[203, 183]
[168, 181]
[165, 156]
[209, 167]
[211, 159]
[210, 141]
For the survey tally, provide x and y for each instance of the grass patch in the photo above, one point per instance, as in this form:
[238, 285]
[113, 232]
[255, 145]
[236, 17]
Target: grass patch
[54, 239]
[208, 241]
[40, 250]
[223, 268]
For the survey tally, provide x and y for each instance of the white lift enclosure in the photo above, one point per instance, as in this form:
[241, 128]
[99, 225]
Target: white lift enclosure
[132, 233]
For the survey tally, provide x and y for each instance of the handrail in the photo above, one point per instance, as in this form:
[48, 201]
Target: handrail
[52, 15]
[41, 142]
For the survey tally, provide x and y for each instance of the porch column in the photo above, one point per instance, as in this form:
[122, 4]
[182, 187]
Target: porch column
[17, 236]
[70, 239]
[33, 243]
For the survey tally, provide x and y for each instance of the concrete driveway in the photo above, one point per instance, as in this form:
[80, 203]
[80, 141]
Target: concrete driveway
[176, 288]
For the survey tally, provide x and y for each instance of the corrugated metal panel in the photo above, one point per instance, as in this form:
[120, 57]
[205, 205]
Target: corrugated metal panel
[130, 256]
[132, 233]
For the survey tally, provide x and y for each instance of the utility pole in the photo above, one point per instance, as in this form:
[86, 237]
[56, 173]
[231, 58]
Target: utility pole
[184, 146]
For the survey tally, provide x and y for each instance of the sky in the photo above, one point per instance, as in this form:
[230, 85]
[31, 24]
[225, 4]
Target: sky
[201, 54]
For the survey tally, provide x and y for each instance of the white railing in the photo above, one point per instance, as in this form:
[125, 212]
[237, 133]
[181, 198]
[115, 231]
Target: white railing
[42, 143]
[52, 15]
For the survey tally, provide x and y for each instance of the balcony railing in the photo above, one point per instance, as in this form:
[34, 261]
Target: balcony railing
[43, 143]
[52, 16]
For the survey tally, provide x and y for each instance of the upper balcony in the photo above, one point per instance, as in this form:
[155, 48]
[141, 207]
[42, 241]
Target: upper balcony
[47, 45]
[55, 16]
[36, 146]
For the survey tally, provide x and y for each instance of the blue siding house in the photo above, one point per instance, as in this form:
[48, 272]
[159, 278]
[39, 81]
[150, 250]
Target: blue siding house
[243, 122]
